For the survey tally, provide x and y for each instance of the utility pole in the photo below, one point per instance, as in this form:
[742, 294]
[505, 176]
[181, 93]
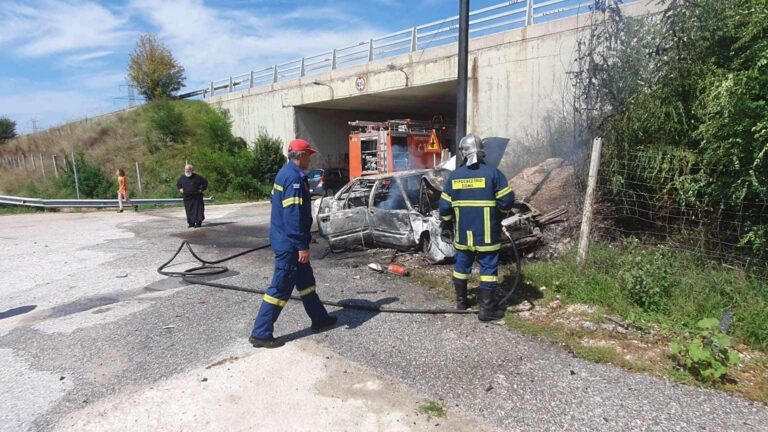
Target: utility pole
[461, 85]
[34, 125]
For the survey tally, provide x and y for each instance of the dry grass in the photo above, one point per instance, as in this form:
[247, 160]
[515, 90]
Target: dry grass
[109, 141]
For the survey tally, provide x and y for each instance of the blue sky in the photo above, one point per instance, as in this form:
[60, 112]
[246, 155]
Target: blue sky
[64, 60]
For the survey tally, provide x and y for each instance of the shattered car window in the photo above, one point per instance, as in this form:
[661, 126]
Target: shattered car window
[411, 186]
[388, 195]
[358, 194]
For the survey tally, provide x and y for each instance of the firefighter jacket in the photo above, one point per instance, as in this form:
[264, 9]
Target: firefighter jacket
[475, 198]
[291, 210]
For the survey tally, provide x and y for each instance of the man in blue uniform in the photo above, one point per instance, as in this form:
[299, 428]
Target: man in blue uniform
[474, 199]
[289, 235]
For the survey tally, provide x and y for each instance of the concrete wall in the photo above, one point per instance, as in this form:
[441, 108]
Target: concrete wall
[518, 83]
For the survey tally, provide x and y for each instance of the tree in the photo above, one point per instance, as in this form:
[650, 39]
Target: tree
[153, 70]
[269, 158]
[7, 129]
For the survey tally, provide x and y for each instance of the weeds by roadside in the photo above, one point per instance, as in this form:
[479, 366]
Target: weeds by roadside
[432, 409]
[630, 303]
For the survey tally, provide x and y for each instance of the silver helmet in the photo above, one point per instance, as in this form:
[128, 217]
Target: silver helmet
[472, 149]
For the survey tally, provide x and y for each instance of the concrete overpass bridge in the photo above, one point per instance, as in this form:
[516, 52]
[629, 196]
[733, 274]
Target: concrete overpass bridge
[520, 53]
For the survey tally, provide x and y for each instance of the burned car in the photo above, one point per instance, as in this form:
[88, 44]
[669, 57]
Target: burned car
[397, 210]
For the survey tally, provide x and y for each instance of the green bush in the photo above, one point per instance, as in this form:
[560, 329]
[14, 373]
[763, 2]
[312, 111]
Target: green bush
[648, 278]
[167, 121]
[689, 88]
[708, 356]
[92, 181]
[268, 156]
[692, 288]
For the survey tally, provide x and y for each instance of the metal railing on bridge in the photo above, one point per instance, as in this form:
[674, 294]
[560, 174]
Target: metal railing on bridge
[501, 17]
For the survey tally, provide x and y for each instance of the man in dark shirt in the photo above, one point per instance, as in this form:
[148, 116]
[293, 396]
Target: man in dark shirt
[191, 187]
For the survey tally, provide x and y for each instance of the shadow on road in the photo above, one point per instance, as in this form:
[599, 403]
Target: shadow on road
[351, 318]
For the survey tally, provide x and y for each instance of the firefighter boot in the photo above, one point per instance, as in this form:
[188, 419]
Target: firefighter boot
[460, 286]
[489, 310]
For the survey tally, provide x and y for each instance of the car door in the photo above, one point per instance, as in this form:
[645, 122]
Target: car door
[343, 219]
[390, 215]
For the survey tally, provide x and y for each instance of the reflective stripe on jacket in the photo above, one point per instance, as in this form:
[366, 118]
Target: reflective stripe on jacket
[291, 210]
[474, 197]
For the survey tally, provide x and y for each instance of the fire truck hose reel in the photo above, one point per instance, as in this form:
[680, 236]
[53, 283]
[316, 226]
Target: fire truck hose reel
[211, 268]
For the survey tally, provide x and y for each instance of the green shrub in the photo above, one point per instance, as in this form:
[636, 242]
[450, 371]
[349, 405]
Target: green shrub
[167, 121]
[648, 278]
[708, 356]
[268, 155]
[216, 133]
[692, 288]
[92, 181]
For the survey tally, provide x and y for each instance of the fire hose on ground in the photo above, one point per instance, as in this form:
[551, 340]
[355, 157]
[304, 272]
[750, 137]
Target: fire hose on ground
[211, 268]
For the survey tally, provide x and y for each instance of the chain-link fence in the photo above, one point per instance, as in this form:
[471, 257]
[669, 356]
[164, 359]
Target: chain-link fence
[655, 197]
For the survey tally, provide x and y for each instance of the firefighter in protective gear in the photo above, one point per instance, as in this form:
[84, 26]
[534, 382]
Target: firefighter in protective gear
[289, 235]
[474, 199]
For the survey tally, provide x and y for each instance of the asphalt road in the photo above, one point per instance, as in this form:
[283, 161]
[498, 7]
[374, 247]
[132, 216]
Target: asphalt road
[92, 338]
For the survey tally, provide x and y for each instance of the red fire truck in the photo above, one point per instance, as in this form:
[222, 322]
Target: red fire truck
[394, 145]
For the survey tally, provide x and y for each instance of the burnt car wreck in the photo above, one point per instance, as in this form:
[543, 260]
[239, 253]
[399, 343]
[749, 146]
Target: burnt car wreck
[399, 211]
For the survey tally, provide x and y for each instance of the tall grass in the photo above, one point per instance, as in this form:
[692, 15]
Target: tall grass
[655, 285]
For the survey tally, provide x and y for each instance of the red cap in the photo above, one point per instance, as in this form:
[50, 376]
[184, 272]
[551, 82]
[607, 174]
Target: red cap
[300, 145]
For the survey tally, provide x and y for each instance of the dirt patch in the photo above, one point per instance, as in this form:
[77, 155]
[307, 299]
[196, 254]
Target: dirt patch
[548, 186]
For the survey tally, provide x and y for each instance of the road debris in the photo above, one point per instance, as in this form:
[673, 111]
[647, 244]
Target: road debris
[397, 269]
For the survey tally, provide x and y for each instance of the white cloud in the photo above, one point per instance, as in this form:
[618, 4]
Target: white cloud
[45, 27]
[212, 44]
[80, 58]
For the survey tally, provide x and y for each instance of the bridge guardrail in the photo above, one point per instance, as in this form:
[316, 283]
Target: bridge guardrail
[482, 22]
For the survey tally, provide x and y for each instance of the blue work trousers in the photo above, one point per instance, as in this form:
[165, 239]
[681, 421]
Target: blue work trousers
[289, 273]
[489, 267]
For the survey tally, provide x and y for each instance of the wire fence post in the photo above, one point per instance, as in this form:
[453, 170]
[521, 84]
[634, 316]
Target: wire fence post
[74, 170]
[138, 177]
[55, 168]
[42, 165]
[586, 218]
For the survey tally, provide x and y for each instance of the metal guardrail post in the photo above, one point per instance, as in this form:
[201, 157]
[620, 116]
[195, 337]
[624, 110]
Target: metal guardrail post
[138, 177]
[529, 12]
[229, 89]
[212, 89]
[250, 82]
[413, 39]
[74, 170]
[302, 70]
[274, 73]
[370, 50]
[333, 60]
